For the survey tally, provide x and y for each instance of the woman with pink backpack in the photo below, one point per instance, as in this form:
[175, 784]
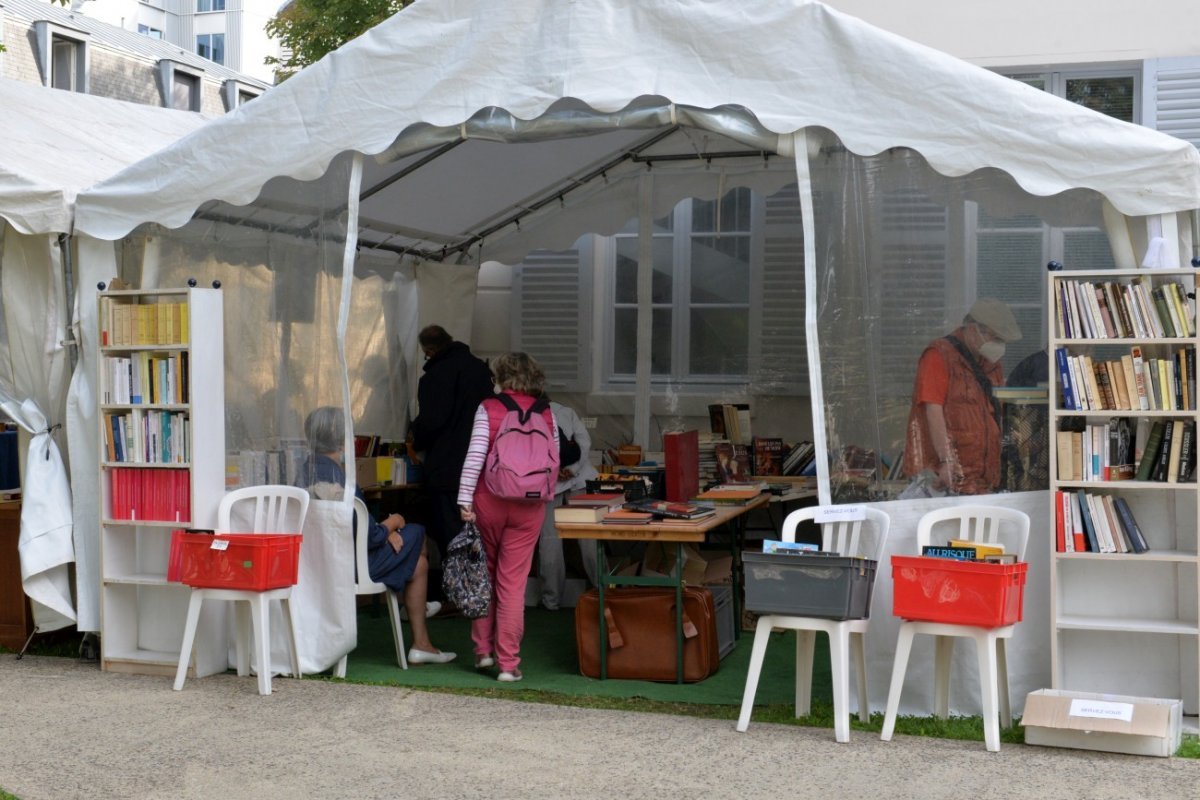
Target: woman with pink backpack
[507, 479]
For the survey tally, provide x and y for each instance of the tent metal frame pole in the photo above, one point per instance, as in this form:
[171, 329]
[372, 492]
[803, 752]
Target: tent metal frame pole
[645, 311]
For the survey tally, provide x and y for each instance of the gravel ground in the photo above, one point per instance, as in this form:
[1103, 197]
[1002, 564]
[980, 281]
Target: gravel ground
[70, 731]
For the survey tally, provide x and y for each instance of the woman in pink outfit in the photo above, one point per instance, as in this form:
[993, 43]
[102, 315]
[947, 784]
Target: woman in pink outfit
[510, 528]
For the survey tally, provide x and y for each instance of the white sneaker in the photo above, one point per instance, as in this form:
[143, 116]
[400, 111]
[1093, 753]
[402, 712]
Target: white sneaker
[483, 662]
[510, 677]
[432, 607]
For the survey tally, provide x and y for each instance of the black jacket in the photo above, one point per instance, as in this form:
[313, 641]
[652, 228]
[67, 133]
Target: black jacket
[454, 384]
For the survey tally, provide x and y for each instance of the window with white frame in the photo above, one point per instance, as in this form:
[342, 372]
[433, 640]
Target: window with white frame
[146, 30]
[211, 46]
[727, 301]
[700, 293]
[210, 5]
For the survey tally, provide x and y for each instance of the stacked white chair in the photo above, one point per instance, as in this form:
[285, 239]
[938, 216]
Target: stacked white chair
[277, 509]
[866, 538]
[974, 523]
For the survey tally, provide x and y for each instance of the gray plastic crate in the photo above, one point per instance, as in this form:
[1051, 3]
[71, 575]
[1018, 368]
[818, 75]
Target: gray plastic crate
[723, 611]
[832, 587]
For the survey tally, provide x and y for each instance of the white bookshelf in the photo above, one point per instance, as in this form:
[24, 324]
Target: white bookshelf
[142, 614]
[1126, 623]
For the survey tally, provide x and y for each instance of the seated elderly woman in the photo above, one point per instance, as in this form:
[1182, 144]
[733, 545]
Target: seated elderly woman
[396, 551]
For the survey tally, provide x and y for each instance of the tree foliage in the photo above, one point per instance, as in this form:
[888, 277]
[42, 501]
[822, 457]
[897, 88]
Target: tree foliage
[308, 29]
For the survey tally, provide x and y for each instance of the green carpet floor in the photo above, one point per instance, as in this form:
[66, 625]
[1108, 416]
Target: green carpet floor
[549, 663]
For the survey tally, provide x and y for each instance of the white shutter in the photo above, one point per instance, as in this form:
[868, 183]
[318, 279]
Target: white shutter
[552, 312]
[779, 356]
[1172, 103]
[912, 299]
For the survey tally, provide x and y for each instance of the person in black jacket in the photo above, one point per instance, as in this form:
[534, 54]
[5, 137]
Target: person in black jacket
[454, 384]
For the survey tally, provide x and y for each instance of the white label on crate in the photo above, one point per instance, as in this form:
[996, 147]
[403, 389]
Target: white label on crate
[840, 514]
[220, 544]
[1101, 709]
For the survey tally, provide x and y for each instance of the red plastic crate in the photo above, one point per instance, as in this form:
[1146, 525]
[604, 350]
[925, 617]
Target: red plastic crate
[959, 592]
[252, 561]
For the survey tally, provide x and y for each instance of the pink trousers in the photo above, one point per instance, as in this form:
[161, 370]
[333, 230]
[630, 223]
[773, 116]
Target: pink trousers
[510, 530]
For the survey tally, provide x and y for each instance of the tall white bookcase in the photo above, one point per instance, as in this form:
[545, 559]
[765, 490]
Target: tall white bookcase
[162, 377]
[1124, 623]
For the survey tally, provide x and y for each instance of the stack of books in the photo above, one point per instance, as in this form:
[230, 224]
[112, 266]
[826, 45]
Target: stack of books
[667, 510]
[587, 508]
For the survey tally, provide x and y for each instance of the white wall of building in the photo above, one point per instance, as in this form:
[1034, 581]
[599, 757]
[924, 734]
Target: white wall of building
[246, 42]
[1035, 32]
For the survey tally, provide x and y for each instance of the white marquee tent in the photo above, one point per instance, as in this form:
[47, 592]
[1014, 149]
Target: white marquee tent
[465, 131]
[54, 144]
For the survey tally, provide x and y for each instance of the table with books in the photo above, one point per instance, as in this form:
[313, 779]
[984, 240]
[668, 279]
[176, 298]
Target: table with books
[648, 521]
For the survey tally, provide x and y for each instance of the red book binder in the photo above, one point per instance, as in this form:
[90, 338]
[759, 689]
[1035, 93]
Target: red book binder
[681, 451]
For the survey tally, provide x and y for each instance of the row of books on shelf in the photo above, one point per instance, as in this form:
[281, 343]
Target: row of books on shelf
[128, 324]
[1112, 310]
[158, 495]
[1119, 450]
[764, 457]
[145, 378]
[1131, 383]
[281, 465]
[148, 437]
[730, 421]
[1095, 523]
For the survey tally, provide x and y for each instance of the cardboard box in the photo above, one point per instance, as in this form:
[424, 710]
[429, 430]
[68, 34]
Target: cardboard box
[1140, 726]
[697, 569]
[375, 471]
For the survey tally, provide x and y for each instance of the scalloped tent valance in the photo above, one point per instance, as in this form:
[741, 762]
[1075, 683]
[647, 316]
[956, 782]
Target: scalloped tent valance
[579, 94]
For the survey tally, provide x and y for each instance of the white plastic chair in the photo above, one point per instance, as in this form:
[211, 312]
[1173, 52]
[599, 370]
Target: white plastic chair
[846, 637]
[975, 523]
[277, 509]
[363, 585]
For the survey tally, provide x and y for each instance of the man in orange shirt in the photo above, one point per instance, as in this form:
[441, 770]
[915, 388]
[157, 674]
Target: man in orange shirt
[954, 427]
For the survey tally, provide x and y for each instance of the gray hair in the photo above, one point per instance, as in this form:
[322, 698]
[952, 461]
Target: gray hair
[325, 429]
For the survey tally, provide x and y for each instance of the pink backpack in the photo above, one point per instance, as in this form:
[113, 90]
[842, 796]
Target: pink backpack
[523, 461]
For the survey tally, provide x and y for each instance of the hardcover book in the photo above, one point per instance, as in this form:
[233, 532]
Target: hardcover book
[768, 455]
[958, 553]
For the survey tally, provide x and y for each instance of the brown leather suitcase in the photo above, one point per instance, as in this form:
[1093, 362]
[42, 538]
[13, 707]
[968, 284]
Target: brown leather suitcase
[640, 633]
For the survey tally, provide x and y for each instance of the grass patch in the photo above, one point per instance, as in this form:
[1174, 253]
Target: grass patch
[6, 796]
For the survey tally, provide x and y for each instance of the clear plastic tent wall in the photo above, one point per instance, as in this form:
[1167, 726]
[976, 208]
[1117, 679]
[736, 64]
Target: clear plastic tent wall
[282, 287]
[902, 254]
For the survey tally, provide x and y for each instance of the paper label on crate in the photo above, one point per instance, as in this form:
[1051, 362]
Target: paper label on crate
[1101, 709]
[840, 514]
[220, 544]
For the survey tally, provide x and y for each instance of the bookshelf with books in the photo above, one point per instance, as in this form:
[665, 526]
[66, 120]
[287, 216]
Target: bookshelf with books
[162, 467]
[1125, 569]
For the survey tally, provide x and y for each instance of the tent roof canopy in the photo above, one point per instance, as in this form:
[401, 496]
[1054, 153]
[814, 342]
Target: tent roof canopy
[491, 120]
[54, 144]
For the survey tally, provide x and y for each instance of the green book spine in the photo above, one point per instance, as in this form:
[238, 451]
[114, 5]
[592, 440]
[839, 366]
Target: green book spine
[1150, 451]
[1164, 314]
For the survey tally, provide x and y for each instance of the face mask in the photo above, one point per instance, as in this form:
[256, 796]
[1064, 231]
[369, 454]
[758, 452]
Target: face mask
[992, 351]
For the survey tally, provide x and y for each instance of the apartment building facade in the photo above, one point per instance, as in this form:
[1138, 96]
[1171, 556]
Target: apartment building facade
[62, 48]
